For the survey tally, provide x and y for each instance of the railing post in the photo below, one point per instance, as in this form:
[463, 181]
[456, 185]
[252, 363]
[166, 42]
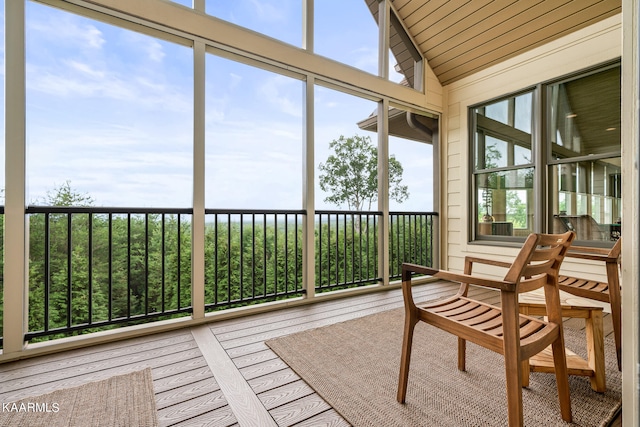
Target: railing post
[15, 248]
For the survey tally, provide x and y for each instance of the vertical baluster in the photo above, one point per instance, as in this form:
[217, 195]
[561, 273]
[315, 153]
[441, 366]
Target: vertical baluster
[129, 265]
[275, 254]
[90, 269]
[110, 255]
[163, 256]
[146, 263]
[47, 269]
[179, 257]
[69, 269]
[286, 253]
[229, 258]
[264, 255]
[253, 255]
[241, 250]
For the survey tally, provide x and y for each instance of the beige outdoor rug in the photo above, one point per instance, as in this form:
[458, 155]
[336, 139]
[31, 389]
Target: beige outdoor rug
[124, 400]
[354, 366]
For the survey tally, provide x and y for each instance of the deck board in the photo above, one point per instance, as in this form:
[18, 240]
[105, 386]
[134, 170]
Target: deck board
[186, 371]
[285, 394]
[273, 380]
[163, 383]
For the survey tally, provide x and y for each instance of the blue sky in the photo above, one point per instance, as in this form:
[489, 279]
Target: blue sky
[110, 110]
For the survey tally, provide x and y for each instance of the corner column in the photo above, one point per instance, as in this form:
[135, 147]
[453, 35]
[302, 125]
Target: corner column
[15, 248]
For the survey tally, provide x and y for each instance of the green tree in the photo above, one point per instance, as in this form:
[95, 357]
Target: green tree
[350, 175]
[65, 195]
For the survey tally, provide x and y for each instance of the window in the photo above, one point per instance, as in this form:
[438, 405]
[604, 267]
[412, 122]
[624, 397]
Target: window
[503, 167]
[584, 139]
[336, 126]
[350, 36]
[279, 19]
[109, 111]
[254, 131]
[410, 156]
[577, 161]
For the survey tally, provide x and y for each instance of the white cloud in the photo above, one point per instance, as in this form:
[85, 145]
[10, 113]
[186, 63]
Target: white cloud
[85, 68]
[236, 80]
[366, 59]
[278, 91]
[267, 12]
[155, 51]
[151, 48]
[65, 27]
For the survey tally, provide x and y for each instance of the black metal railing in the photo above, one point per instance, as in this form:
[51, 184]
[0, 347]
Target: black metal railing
[411, 239]
[346, 249]
[94, 268]
[252, 256]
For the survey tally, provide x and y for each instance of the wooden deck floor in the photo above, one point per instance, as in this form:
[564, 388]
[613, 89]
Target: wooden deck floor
[219, 374]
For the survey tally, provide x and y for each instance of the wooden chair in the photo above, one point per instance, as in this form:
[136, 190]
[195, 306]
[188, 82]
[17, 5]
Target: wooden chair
[600, 291]
[501, 329]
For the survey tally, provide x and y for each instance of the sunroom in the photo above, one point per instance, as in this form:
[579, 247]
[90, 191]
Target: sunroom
[171, 165]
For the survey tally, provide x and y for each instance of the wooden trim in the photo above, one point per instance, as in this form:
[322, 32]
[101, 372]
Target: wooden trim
[243, 402]
[631, 211]
[15, 223]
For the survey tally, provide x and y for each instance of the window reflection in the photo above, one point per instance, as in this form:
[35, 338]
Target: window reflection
[505, 203]
[587, 199]
[503, 171]
[584, 117]
[581, 155]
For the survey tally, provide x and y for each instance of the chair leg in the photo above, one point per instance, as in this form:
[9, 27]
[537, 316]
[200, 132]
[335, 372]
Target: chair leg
[526, 369]
[595, 350]
[513, 371]
[462, 354]
[409, 325]
[562, 378]
[616, 320]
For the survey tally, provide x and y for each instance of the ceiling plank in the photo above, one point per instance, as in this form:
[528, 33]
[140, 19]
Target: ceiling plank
[469, 26]
[495, 34]
[460, 37]
[434, 11]
[457, 69]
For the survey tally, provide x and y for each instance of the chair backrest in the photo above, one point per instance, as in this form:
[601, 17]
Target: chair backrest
[539, 260]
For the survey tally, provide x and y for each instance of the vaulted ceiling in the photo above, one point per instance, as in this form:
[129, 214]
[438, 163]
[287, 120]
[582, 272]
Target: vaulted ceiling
[461, 37]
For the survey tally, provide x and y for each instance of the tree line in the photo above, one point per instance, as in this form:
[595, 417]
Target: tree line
[93, 268]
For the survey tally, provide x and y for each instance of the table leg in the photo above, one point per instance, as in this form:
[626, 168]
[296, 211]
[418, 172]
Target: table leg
[595, 349]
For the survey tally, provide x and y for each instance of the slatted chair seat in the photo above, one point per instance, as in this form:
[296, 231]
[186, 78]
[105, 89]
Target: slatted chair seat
[608, 291]
[501, 329]
[591, 289]
[485, 322]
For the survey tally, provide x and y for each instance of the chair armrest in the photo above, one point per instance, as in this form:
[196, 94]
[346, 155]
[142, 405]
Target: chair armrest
[588, 249]
[591, 254]
[461, 278]
[470, 260]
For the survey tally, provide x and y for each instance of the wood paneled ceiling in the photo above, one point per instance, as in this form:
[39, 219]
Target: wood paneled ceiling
[461, 37]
